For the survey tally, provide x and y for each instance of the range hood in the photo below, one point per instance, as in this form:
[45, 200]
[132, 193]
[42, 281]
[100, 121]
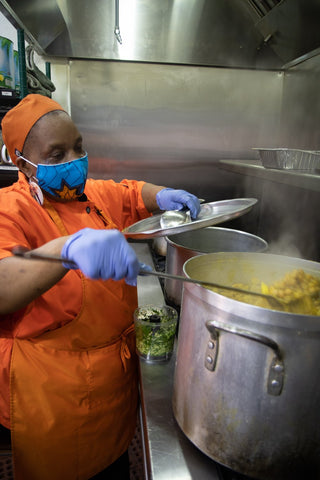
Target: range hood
[232, 33]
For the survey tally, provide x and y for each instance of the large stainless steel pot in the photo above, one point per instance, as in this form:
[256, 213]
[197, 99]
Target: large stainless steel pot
[189, 244]
[247, 379]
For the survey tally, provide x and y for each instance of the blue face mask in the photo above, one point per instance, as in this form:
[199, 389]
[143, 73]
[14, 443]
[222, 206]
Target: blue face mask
[65, 181]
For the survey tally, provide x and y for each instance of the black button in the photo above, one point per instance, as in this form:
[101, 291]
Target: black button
[88, 209]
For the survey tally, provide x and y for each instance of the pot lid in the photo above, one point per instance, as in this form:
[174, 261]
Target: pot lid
[210, 214]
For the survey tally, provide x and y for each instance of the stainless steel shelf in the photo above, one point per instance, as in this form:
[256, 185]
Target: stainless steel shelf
[309, 181]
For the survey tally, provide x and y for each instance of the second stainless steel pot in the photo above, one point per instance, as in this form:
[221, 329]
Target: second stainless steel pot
[246, 385]
[186, 245]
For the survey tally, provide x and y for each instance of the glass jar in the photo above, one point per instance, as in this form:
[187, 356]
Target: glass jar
[155, 329]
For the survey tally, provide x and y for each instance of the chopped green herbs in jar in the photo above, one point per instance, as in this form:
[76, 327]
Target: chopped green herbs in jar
[155, 329]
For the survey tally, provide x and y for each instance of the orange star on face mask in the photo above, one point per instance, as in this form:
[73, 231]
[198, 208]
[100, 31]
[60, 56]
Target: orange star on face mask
[68, 193]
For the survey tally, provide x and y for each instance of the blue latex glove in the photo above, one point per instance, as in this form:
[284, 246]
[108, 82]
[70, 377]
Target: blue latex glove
[171, 199]
[102, 254]
[145, 267]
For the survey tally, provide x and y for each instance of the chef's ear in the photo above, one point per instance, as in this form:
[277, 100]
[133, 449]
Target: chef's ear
[25, 167]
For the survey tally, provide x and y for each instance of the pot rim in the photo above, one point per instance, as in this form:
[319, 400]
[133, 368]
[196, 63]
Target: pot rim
[170, 238]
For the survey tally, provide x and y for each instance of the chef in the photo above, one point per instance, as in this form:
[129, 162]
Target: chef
[68, 369]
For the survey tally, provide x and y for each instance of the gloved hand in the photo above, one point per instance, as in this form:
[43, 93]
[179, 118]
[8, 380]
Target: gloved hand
[145, 267]
[102, 254]
[171, 199]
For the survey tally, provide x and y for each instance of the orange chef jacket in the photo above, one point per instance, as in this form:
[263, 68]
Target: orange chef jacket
[68, 376]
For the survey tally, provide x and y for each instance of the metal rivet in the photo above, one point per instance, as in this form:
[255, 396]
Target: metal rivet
[88, 209]
[277, 368]
[275, 383]
[209, 359]
[211, 345]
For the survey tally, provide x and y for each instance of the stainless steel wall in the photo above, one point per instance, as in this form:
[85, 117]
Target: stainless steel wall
[300, 117]
[170, 124]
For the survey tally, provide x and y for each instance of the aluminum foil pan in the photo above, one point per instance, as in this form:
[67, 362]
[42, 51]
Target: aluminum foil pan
[288, 159]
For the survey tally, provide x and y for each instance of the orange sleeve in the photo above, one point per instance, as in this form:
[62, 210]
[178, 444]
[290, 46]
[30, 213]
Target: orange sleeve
[120, 201]
[10, 235]
[22, 221]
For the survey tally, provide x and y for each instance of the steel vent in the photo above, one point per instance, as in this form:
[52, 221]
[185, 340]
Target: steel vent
[236, 33]
[262, 7]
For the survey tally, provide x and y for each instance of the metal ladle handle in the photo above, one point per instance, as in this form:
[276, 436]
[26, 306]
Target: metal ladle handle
[20, 251]
[274, 301]
[25, 253]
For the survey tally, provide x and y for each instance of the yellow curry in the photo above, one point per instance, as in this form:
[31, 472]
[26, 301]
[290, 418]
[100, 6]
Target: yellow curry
[299, 291]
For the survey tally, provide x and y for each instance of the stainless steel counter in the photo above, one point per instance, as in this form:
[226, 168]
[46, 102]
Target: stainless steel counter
[168, 453]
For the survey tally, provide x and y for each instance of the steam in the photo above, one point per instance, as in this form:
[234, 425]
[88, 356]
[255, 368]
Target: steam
[285, 246]
[278, 223]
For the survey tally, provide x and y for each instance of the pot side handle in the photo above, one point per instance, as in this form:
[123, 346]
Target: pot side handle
[276, 370]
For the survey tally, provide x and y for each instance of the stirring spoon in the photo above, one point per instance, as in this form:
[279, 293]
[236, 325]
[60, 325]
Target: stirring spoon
[20, 251]
[273, 300]
[30, 254]
[174, 218]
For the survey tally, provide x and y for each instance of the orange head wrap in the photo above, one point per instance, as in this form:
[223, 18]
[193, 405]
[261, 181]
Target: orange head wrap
[17, 123]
